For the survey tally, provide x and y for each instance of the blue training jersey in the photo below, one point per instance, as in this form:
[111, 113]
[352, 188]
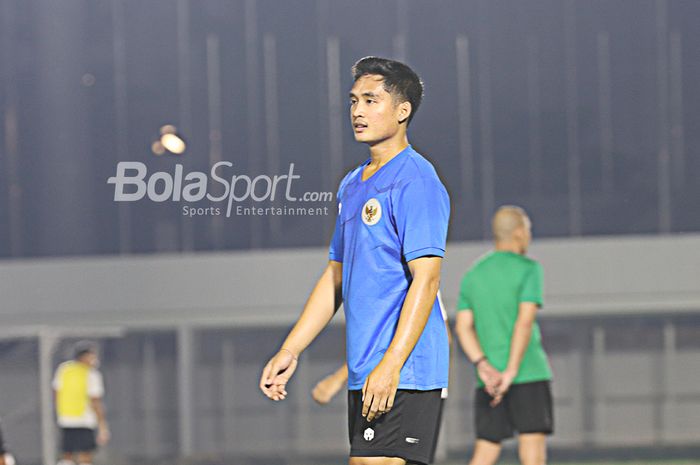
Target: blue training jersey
[397, 215]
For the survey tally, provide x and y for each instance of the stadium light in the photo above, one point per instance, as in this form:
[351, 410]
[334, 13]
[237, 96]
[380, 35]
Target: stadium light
[169, 140]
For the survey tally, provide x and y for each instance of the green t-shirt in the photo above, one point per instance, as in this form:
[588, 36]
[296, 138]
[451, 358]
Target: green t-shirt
[492, 289]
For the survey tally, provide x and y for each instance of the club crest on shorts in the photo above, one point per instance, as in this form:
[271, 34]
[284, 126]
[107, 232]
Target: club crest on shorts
[371, 212]
[369, 434]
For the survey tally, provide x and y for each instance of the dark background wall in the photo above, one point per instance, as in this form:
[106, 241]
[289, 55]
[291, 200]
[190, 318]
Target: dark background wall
[584, 112]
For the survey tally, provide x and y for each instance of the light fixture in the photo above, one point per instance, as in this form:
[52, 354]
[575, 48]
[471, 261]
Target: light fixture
[170, 141]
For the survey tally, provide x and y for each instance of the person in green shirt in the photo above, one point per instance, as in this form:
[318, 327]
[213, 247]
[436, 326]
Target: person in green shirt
[498, 302]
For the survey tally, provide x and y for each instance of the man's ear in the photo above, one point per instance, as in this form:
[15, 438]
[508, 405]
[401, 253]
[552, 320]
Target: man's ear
[404, 111]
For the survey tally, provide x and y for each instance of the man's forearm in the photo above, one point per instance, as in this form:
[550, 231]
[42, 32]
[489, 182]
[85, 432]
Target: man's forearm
[414, 316]
[341, 374]
[98, 408]
[324, 301]
[470, 343]
[519, 342]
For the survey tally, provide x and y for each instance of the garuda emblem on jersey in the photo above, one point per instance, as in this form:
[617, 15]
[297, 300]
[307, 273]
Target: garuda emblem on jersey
[371, 212]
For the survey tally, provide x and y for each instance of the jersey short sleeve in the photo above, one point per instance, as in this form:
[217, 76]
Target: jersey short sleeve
[56, 382]
[96, 387]
[422, 213]
[531, 290]
[463, 302]
[335, 252]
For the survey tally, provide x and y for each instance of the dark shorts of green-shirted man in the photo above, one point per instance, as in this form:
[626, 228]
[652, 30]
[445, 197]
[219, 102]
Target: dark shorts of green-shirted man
[498, 302]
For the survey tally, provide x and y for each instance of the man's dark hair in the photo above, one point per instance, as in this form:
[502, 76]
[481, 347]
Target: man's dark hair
[84, 347]
[399, 79]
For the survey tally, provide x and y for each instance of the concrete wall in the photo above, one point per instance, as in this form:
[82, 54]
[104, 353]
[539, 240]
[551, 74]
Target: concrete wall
[582, 277]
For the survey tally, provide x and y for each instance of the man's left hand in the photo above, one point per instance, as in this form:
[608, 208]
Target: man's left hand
[379, 390]
[507, 378]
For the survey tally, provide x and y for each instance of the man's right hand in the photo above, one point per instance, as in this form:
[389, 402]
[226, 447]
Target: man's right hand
[277, 373]
[490, 376]
[103, 435]
[327, 388]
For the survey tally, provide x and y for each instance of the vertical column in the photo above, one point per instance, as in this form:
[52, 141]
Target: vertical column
[271, 119]
[124, 395]
[605, 111]
[677, 131]
[574, 162]
[534, 113]
[668, 387]
[11, 149]
[63, 216]
[580, 398]
[149, 372]
[121, 115]
[215, 125]
[303, 417]
[13, 180]
[334, 112]
[328, 182]
[185, 104]
[664, 155]
[252, 98]
[400, 44]
[228, 394]
[598, 426]
[185, 355]
[466, 146]
[488, 195]
[47, 342]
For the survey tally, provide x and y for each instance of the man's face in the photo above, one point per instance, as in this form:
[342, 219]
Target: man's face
[373, 113]
[90, 358]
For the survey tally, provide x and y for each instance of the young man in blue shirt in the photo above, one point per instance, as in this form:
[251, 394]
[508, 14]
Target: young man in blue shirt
[384, 266]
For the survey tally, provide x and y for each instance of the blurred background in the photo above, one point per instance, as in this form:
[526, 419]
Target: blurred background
[584, 112]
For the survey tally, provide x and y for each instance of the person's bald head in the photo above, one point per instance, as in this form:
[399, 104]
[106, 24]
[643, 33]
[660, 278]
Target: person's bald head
[511, 227]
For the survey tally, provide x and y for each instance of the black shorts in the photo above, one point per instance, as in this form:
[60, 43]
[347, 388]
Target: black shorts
[78, 440]
[526, 408]
[409, 431]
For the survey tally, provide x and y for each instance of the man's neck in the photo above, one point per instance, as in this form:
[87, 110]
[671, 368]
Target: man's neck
[508, 247]
[384, 151]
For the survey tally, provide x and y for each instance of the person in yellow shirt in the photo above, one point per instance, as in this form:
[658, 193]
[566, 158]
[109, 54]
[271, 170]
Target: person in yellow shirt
[79, 389]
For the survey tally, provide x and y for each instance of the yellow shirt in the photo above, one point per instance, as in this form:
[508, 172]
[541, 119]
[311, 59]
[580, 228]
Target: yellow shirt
[75, 384]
